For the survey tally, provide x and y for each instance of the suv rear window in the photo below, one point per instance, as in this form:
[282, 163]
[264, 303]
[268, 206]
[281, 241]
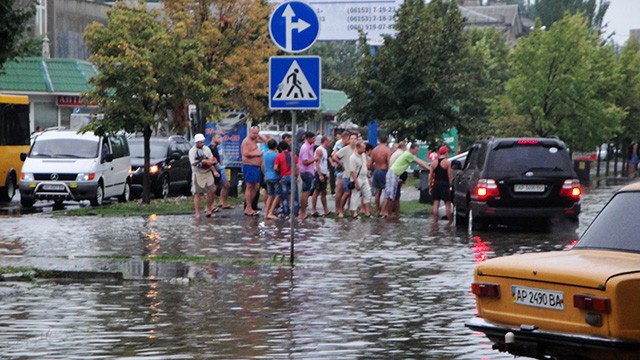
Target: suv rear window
[522, 158]
[616, 227]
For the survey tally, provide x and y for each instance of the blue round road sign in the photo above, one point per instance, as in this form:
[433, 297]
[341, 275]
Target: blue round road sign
[294, 26]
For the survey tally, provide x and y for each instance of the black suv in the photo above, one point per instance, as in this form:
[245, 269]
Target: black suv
[169, 166]
[515, 178]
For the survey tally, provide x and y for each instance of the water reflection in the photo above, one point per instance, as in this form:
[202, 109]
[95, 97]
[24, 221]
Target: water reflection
[359, 289]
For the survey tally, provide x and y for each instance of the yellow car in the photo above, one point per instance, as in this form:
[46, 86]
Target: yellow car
[583, 303]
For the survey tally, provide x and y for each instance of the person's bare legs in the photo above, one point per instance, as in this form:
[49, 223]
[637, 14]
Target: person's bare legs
[224, 195]
[436, 205]
[304, 199]
[196, 204]
[338, 195]
[447, 207]
[377, 202]
[211, 195]
[249, 194]
[323, 200]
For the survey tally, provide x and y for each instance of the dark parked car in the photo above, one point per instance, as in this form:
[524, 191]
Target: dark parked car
[169, 167]
[505, 178]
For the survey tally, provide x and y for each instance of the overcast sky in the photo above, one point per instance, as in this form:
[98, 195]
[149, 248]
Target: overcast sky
[622, 16]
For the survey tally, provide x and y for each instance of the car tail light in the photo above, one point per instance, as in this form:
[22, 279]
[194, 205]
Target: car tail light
[592, 303]
[485, 289]
[487, 188]
[527, 142]
[571, 188]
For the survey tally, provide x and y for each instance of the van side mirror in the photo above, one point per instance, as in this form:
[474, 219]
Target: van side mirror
[108, 158]
[456, 165]
[23, 157]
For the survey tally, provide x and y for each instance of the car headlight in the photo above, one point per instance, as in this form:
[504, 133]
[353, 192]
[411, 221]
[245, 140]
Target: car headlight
[153, 169]
[26, 176]
[85, 176]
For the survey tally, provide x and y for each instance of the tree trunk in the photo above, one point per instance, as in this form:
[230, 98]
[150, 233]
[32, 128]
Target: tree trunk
[146, 183]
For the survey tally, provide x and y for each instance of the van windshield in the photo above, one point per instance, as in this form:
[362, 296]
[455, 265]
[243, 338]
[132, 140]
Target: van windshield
[64, 148]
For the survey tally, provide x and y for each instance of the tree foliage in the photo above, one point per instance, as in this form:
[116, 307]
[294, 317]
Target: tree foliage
[630, 95]
[234, 35]
[339, 60]
[552, 11]
[486, 73]
[13, 25]
[564, 83]
[414, 81]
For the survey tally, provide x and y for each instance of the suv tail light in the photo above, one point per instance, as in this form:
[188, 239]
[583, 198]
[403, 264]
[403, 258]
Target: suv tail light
[571, 189]
[486, 188]
[485, 289]
[592, 303]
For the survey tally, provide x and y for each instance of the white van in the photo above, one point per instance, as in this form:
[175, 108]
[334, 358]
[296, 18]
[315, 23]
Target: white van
[66, 165]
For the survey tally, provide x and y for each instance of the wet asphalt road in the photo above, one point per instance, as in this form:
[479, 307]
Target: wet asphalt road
[359, 289]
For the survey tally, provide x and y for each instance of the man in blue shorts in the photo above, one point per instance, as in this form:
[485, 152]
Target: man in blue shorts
[251, 168]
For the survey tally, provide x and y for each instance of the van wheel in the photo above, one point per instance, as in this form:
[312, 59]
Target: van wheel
[162, 192]
[126, 193]
[9, 190]
[26, 201]
[99, 197]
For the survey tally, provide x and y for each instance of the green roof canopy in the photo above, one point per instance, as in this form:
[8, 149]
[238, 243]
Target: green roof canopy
[47, 75]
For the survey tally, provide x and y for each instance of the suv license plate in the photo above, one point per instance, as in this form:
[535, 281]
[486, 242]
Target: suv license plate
[547, 299]
[53, 187]
[528, 188]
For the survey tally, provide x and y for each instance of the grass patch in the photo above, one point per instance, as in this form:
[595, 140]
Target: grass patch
[414, 206]
[232, 261]
[15, 270]
[170, 206]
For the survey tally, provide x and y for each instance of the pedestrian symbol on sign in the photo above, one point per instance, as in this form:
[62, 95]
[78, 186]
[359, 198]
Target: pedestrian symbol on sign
[294, 86]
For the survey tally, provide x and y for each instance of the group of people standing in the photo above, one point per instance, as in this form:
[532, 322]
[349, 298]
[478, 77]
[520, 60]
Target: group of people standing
[360, 172]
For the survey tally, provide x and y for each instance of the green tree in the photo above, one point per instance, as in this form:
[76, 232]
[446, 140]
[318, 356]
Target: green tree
[630, 94]
[234, 35]
[552, 11]
[13, 26]
[339, 60]
[139, 64]
[413, 83]
[565, 84]
[486, 74]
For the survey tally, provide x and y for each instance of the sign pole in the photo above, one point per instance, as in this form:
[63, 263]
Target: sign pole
[294, 184]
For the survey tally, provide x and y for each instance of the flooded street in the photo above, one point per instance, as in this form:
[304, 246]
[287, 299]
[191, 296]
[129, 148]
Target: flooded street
[359, 289]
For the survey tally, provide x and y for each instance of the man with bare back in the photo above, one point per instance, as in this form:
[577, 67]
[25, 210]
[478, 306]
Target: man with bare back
[380, 157]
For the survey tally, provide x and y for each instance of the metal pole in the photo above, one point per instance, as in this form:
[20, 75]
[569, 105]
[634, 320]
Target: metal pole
[294, 185]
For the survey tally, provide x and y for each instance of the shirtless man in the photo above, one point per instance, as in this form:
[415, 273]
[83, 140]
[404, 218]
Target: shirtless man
[380, 157]
[251, 168]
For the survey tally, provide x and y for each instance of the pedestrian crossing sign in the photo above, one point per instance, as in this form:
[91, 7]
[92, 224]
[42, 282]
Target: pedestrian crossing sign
[294, 82]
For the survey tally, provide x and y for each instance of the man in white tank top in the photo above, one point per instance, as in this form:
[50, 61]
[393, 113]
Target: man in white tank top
[322, 177]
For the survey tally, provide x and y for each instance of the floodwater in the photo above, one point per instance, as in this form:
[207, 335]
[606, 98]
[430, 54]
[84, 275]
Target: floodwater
[359, 289]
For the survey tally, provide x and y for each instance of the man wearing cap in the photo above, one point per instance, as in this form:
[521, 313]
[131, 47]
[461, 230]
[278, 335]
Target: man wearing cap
[203, 170]
[440, 179]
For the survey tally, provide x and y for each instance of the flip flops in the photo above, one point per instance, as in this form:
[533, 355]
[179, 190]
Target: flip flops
[257, 213]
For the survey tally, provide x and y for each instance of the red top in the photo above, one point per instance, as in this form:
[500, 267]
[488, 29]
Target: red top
[284, 165]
